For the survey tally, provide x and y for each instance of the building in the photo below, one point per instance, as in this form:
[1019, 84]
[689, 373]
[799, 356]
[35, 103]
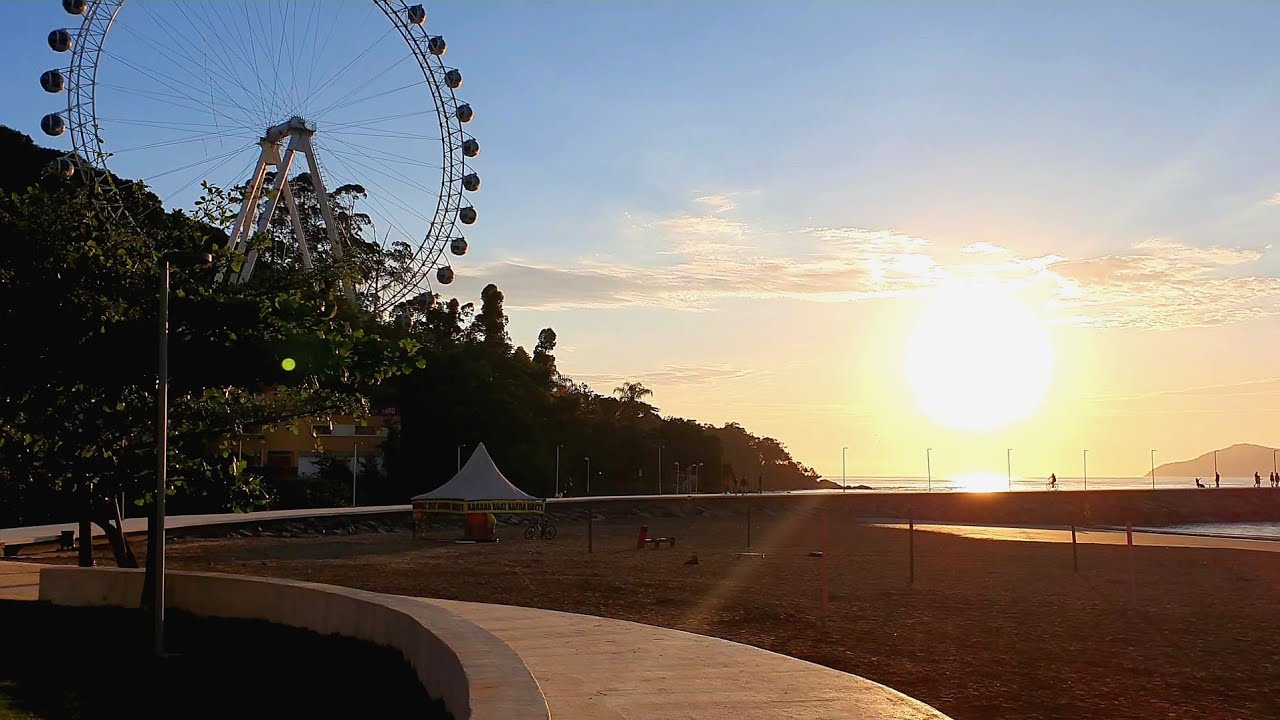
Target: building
[290, 454]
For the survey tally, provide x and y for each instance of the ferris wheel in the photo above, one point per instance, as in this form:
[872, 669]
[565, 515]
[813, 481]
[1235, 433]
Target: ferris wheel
[239, 95]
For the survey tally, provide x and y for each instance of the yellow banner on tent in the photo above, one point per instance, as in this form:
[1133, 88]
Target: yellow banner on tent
[464, 507]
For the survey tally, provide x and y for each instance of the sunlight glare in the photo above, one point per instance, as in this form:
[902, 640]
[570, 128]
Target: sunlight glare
[978, 359]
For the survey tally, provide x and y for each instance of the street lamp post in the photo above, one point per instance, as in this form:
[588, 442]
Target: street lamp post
[660, 468]
[844, 481]
[1153, 469]
[355, 469]
[459, 458]
[1086, 469]
[1008, 465]
[558, 446]
[155, 538]
[588, 475]
[677, 483]
[1273, 462]
[928, 468]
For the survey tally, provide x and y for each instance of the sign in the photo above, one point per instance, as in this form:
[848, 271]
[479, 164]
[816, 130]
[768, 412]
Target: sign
[464, 507]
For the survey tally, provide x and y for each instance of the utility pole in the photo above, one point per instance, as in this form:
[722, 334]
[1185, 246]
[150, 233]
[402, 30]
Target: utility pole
[1086, 469]
[588, 475]
[928, 466]
[844, 479]
[660, 468]
[1008, 465]
[1153, 469]
[558, 446]
[355, 469]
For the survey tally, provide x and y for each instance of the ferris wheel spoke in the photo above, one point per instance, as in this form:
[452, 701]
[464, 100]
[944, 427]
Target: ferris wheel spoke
[400, 137]
[201, 176]
[185, 63]
[388, 195]
[170, 30]
[369, 123]
[160, 78]
[380, 154]
[172, 100]
[323, 87]
[341, 102]
[216, 52]
[327, 84]
[389, 173]
[188, 138]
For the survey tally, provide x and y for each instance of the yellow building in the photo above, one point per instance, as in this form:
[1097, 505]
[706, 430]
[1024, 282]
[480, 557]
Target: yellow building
[290, 453]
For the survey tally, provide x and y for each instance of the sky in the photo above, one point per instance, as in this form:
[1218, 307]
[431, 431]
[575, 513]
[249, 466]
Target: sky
[883, 226]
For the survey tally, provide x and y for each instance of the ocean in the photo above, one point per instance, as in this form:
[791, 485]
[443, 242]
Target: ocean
[991, 482]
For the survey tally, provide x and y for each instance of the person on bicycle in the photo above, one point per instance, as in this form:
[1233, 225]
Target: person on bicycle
[1053, 481]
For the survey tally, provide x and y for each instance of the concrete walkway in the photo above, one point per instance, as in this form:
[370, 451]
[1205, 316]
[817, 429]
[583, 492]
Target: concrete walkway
[592, 668]
[19, 581]
[49, 533]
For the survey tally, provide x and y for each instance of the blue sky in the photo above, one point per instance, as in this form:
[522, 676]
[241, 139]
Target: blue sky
[659, 175]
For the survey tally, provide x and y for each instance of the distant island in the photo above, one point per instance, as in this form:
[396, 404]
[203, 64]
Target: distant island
[1241, 460]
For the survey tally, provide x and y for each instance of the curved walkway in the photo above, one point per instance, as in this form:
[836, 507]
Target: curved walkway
[497, 661]
[593, 668]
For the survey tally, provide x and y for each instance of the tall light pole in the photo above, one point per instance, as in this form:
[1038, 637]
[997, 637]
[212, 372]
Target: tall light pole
[1008, 465]
[1153, 469]
[355, 468]
[155, 535]
[844, 481]
[677, 485]
[928, 467]
[588, 475]
[1273, 462]
[459, 458]
[558, 446]
[162, 461]
[1086, 469]
[660, 468]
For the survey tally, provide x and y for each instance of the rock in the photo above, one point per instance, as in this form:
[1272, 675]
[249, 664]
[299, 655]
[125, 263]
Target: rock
[693, 559]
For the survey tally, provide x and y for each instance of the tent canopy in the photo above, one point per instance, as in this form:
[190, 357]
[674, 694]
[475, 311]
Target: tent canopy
[478, 487]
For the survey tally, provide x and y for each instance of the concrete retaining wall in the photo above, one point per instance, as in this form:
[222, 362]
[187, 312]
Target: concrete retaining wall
[476, 675]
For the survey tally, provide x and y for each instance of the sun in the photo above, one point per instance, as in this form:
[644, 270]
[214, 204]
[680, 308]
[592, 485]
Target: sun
[978, 359]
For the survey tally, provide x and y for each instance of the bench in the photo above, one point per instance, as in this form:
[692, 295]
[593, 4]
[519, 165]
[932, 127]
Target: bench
[656, 542]
[12, 549]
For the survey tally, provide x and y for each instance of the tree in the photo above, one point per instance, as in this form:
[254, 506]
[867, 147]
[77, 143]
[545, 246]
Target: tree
[490, 325]
[544, 351]
[78, 358]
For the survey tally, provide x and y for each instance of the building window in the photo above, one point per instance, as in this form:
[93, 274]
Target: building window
[366, 430]
[325, 429]
[282, 459]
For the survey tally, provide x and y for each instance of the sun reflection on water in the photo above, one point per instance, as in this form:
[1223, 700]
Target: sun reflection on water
[980, 482]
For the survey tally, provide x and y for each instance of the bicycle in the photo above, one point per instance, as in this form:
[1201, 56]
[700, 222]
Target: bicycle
[540, 527]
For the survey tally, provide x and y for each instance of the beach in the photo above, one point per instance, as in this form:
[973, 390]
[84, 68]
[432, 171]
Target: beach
[989, 629]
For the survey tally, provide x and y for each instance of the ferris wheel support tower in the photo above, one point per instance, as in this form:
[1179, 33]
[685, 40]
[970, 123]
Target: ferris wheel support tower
[296, 131]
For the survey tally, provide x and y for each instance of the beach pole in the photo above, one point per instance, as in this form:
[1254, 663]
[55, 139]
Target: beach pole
[1075, 557]
[911, 548]
[825, 572]
[1133, 585]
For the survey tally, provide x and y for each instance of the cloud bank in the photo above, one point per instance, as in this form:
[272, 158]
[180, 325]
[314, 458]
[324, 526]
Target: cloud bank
[698, 260]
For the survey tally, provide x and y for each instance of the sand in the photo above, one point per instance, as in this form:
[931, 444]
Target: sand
[989, 629]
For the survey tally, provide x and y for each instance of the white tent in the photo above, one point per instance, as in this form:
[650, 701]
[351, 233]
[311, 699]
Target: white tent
[479, 487]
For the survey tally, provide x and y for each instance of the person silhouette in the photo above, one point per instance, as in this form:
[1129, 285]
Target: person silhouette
[1257, 480]
[1200, 484]
[1217, 479]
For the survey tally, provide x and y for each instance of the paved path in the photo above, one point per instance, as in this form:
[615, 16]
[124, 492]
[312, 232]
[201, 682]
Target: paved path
[19, 581]
[1093, 536]
[592, 668]
[45, 533]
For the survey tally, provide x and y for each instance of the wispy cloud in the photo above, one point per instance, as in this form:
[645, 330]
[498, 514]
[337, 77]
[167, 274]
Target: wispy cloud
[1273, 200]
[698, 260]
